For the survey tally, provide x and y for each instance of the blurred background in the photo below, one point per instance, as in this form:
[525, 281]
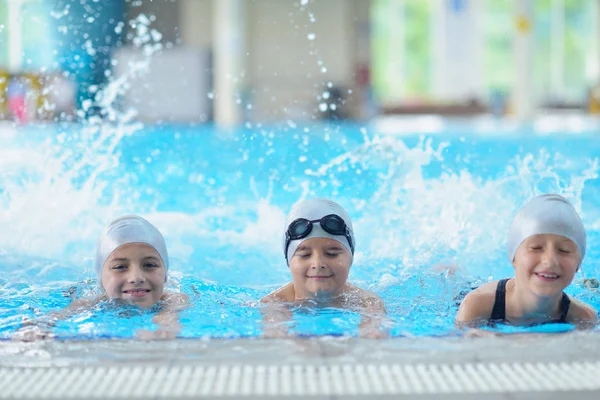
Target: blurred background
[232, 61]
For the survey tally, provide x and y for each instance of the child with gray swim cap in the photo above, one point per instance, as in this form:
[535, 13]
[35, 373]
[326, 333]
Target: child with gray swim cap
[131, 266]
[546, 245]
[319, 246]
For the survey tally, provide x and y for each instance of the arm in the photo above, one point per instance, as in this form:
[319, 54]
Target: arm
[41, 328]
[373, 315]
[169, 325]
[276, 316]
[582, 315]
[476, 308]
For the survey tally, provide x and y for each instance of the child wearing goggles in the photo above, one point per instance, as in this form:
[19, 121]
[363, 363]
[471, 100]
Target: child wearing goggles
[319, 247]
[131, 267]
[546, 246]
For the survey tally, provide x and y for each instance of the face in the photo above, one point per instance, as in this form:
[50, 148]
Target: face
[546, 263]
[134, 273]
[320, 267]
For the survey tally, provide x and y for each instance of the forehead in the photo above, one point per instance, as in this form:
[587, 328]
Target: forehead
[135, 250]
[319, 243]
[548, 237]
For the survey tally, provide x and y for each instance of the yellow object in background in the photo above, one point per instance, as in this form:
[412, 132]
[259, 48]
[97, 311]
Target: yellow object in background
[523, 24]
[4, 77]
[594, 100]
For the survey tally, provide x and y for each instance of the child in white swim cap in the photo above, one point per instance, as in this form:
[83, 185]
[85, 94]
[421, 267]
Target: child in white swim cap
[132, 261]
[318, 246]
[131, 266]
[546, 245]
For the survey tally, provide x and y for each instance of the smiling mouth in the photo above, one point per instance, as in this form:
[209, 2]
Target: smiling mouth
[321, 277]
[548, 277]
[136, 292]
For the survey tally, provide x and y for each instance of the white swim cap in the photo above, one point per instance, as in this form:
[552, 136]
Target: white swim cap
[315, 209]
[546, 214]
[129, 229]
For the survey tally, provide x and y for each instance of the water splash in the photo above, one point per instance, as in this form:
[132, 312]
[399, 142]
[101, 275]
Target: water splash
[66, 183]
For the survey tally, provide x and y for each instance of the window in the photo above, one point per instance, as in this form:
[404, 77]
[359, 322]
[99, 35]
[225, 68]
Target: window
[402, 59]
[565, 42]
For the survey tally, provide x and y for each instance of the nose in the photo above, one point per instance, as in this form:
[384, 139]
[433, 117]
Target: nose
[550, 256]
[136, 276]
[318, 261]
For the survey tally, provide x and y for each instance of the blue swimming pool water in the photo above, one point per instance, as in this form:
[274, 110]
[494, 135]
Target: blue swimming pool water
[420, 198]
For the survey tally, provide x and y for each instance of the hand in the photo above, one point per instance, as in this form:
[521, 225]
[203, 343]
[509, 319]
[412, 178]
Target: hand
[474, 332]
[372, 333]
[159, 334]
[30, 333]
[277, 332]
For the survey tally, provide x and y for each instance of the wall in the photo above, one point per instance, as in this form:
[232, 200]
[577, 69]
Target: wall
[195, 23]
[283, 71]
[288, 71]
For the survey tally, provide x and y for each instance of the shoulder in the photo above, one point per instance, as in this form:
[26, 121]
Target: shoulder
[283, 294]
[175, 300]
[478, 304]
[367, 300]
[580, 312]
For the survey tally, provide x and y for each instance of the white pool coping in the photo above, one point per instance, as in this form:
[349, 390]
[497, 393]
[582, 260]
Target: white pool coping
[517, 366]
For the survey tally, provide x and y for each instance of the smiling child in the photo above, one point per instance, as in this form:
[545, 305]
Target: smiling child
[546, 245]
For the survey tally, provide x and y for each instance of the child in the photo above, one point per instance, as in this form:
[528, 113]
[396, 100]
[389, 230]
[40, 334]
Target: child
[131, 267]
[319, 247]
[546, 245]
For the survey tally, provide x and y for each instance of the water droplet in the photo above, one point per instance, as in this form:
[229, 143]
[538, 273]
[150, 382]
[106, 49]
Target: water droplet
[329, 84]
[323, 69]
[86, 104]
[302, 158]
[311, 36]
[326, 95]
[210, 95]
[323, 107]
[333, 107]
[156, 35]
[90, 19]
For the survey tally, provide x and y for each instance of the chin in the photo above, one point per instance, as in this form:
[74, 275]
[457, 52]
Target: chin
[319, 292]
[548, 291]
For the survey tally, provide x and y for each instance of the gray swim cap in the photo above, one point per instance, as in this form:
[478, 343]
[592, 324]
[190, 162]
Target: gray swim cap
[313, 209]
[129, 229]
[546, 214]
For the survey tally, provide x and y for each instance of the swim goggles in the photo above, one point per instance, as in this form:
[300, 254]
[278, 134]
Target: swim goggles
[302, 227]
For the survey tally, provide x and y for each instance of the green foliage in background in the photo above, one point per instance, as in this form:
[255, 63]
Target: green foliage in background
[403, 50]
[402, 59]
[3, 33]
[498, 58]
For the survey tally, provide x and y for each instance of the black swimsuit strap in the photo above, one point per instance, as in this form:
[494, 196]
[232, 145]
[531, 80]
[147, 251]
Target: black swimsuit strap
[565, 302]
[499, 310]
